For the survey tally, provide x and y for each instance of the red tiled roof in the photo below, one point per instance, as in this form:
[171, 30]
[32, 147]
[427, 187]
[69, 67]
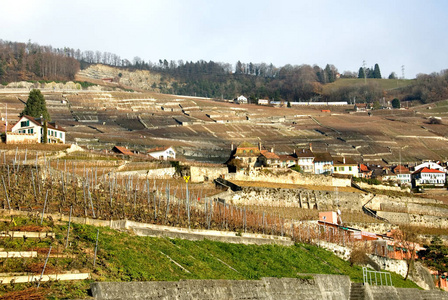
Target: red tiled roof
[364, 168]
[401, 170]
[427, 170]
[269, 155]
[122, 150]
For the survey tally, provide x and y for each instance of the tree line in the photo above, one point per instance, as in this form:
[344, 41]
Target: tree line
[30, 61]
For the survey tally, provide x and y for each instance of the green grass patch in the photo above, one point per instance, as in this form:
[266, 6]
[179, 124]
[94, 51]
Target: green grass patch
[385, 84]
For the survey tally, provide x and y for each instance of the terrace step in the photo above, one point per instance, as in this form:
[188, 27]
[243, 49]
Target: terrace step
[46, 277]
[357, 291]
[17, 254]
[27, 234]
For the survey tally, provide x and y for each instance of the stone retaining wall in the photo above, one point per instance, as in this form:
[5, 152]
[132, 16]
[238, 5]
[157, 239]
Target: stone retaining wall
[413, 208]
[382, 187]
[310, 199]
[288, 176]
[414, 219]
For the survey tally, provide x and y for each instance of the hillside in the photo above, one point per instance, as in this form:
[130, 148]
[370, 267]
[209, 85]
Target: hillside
[122, 256]
[203, 129]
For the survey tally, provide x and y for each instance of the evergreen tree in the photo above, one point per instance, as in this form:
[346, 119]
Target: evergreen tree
[35, 106]
[330, 74]
[393, 75]
[361, 73]
[396, 103]
[45, 133]
[376, 71]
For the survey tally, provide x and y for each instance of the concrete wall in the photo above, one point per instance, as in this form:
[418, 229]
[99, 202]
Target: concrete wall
[280, 175]
[201, 174]
[146, 229]
[21, 138]
[328, 287]
[392, 293]
[320, 287]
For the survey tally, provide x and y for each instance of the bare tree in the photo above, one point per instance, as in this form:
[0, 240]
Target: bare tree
[406, 238]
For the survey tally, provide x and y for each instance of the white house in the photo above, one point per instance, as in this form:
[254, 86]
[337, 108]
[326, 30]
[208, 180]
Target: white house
[426, 176]
[241, 99]
[345, 165]
[430, 165]
[263, 102]
[32, 127]
[403, 174]
[305, 159]
[163, 153]
[323, 163]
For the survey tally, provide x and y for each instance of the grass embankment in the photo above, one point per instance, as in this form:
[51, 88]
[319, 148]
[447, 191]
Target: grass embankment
[124, 257]
[385, 84]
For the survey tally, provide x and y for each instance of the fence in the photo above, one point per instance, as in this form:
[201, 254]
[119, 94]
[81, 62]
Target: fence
[378, 277]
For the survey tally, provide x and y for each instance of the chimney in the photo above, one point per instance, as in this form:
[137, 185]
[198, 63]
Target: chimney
[294, 150]
[231, 146]
[259, 146]
[272, 149]
[343, 160]
[311, 147]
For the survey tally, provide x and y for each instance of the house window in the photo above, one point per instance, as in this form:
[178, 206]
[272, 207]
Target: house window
[349, 168]
[25, 123]
[60, 135]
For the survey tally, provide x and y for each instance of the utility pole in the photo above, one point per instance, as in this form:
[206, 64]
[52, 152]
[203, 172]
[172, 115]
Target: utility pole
[364, 68]
[6, 119]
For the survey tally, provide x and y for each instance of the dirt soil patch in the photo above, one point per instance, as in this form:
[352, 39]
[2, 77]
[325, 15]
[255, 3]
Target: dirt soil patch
[29, 228]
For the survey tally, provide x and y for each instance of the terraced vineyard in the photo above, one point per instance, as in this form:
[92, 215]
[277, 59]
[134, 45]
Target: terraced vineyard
[203, 129]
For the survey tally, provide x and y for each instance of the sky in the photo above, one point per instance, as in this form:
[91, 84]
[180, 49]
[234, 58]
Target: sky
[392, 33]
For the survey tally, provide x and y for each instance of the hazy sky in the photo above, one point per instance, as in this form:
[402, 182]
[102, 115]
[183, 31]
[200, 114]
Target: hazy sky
[344, 33]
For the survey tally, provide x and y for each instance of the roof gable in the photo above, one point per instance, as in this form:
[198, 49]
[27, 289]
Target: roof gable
[122, 150]
[159, 149]
[427, 170]
[269, 155]
[364, 168]
[37, 122]
[305, 153]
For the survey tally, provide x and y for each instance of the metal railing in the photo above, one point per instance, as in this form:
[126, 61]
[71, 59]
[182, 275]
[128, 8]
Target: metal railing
[376, 277]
